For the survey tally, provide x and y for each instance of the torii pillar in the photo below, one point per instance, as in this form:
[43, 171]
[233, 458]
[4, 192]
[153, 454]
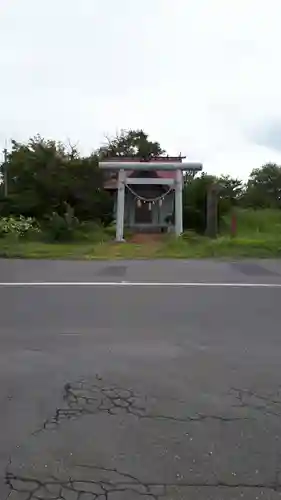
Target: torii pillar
[178, 203]
[120, 206]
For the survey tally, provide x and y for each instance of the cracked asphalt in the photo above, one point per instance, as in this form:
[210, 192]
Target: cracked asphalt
[124, 393]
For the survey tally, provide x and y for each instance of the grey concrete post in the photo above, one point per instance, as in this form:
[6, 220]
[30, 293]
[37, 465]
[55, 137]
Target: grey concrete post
[178, 203]
[120, 206]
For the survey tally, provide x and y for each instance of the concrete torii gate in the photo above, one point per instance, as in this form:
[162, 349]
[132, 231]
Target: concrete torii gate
[123, 166]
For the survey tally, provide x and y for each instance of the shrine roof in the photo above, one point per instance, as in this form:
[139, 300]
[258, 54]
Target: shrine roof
[162, 174]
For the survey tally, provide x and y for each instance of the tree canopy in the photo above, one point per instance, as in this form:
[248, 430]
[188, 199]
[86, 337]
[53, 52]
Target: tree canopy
[264, 187]
[44, 175]
[131, 143]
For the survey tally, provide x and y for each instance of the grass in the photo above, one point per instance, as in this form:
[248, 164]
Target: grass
[259, 236]
[256, 223]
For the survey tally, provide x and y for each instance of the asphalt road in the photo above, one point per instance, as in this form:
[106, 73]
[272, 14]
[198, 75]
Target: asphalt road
[140, 392]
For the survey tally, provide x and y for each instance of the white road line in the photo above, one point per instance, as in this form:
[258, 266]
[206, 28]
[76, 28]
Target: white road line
[186, 284]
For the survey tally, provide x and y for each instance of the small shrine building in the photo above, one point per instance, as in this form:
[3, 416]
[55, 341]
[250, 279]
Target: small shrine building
[147, 194]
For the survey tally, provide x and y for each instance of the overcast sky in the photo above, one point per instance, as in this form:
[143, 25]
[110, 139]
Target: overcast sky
[201, 76]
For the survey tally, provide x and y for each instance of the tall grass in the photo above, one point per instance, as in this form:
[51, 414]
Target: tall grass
[255, 223]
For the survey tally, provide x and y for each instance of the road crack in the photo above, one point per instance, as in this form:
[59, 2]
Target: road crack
[91, 399]
[110, 483]
[266, 404]
[84, 398]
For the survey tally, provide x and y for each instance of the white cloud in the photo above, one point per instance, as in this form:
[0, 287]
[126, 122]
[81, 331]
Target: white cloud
[201, 77]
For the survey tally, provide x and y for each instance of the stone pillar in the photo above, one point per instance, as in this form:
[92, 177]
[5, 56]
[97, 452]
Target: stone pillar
[178, 203]
[212, 212]
[120, 206]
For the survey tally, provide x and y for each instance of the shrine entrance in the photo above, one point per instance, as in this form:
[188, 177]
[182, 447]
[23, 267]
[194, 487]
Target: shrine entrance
[149, 193]
[143, 214]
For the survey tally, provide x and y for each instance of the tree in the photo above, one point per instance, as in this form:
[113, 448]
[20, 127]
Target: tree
[45, 175]
[131, 143]
[194, 202]
[195, 198]
[264, 187]
[230, 192]
[230, 189]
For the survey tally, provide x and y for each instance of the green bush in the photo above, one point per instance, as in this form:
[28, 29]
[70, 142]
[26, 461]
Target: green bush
[190, 236]
[194, 203]
[58, 229]
[19, 227]
[111, 230]
[91, 231]
[62, 227]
